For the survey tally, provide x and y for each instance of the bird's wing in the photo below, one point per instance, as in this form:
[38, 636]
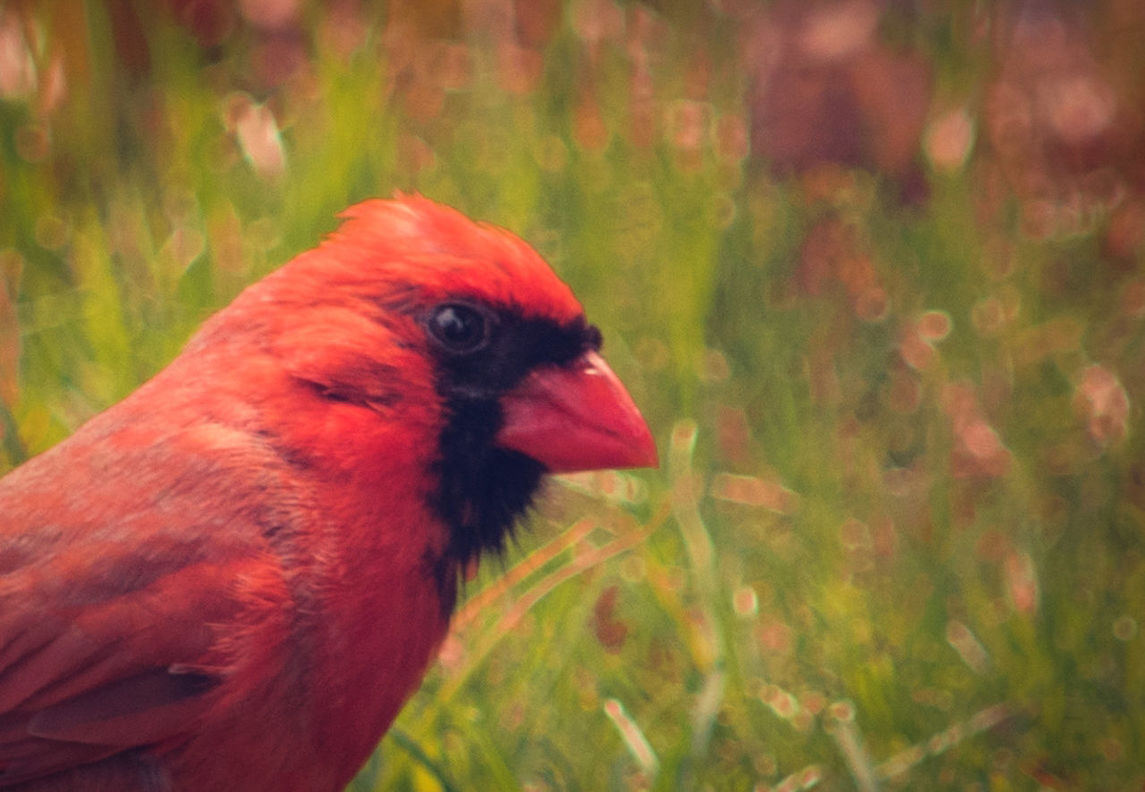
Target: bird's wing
[113, 606]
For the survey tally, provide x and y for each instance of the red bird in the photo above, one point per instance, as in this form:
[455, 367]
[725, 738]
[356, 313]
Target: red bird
[233, 579]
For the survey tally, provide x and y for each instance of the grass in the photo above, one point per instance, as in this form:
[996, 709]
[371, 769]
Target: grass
[897, 538]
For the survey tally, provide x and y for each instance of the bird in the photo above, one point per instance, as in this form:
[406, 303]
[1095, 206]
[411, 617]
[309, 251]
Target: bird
[234, 578]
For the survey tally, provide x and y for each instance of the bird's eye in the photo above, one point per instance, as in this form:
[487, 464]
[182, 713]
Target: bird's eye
[459, 328]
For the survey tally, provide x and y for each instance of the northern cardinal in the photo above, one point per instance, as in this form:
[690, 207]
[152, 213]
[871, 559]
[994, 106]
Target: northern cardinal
[234, 578]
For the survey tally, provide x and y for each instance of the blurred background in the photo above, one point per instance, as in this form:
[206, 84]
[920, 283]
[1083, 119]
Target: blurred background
[871, 268]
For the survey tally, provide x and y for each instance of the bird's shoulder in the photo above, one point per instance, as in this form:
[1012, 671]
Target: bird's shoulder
[130, 557]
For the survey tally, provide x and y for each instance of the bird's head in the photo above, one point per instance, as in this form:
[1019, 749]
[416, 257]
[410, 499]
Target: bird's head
[416, 313]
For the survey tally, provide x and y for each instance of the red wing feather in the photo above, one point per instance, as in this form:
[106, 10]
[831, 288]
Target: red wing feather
[110, 633]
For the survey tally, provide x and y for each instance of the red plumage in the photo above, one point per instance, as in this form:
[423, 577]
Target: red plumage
[234, 578]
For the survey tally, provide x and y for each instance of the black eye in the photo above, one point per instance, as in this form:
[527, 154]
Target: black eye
[459, 328]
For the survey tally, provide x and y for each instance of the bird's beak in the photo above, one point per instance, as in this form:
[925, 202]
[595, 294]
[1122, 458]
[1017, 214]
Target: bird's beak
[576, 417]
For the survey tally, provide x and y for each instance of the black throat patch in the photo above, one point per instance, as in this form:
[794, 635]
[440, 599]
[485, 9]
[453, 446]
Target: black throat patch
[482, 490]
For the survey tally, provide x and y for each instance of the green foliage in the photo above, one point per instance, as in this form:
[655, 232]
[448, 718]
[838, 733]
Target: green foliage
[898, 536]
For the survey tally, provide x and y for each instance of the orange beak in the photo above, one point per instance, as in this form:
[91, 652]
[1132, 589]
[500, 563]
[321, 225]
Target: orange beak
[576, 417]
